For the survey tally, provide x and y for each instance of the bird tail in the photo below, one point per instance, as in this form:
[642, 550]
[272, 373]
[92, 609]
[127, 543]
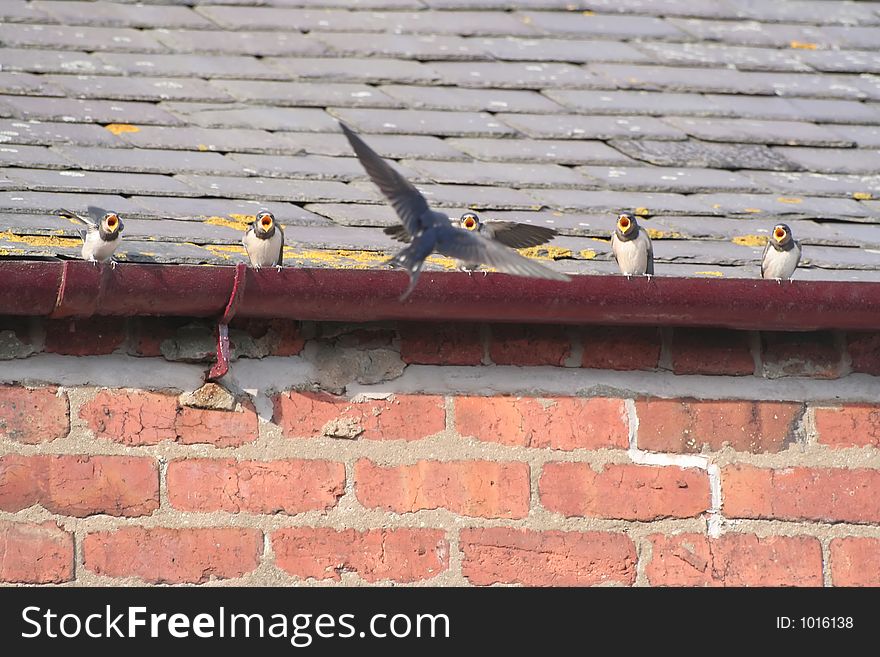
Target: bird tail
[69, 214]
[409, 260]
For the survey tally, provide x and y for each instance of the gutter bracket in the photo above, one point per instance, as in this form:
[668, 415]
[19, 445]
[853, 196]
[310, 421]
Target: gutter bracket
[221, 367]
[80, 289]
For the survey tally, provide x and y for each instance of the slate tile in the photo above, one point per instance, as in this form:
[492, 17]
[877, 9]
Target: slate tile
[814, 11]
[68, 37]
[841, 61]
[295, 119]
[90, 181]
[741, 57]
[108, 14]
[31, 157]
[852, 38]
[833, 160]
[307, 94]
[424, 122]
[236, 211]
[756, 107]
[753, 33]
[352, 214]
[14, 131]
[499, 174]
[349, 238]
[21, 12]
[516, 75]
[669, 179]
[865, 136]
[285, 18]
[773, 205]
[471, 100]
[142, 160]
[138, 88]
[273, 189]
[392, 146]
[190, 65]
[703, 8]
[540, 150]
[463, 23]
[636, 102]
[404, 46]
[567, 126]
[340, 4]
[605, 201]
[351, 69]
[33, 202]
[71, 110]
[262, 44]
[869, 84]
[32, 60]
[694, 153]
[738, 228]
[790, 133]
[820, 110]
[235, 140]
[604, 26]
[175, 231]
[13, 82]
[852, 234]
[548, 49]
[471, 196]
[817, 184]
[707, 253]
[312, 167]
[837, 258]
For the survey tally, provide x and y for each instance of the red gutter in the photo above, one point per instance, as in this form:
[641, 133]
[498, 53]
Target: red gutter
[75, 288]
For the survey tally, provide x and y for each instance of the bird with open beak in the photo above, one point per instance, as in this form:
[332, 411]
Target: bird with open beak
[264, 242]
[781, 255]
[632, 247]
[102, 236]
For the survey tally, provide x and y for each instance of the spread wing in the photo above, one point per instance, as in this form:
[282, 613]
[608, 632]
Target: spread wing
[518, 236]
[398, 233]
[69, 214]
[473, 248]
[406, 200]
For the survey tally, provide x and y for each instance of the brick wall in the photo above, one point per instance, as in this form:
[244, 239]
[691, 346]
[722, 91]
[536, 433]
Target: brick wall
[443, 454]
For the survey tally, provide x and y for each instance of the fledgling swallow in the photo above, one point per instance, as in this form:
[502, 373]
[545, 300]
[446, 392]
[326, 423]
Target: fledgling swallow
[781, 255]
[432, 231]
[508, 233]
[264, 242]
[632, 247]
[102, 236]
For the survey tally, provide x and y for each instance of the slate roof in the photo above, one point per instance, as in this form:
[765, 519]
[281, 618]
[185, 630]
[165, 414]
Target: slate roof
[714, 119]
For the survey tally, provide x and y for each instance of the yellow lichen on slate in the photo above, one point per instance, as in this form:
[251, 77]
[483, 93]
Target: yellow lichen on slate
[545, 252]
[862, 196]
[750, 240]
[655, 234]
[791, 200]
[803, 45]
[708, 273]
[587, 254]
[642, 212]
[119, 128]
[42, 240]
[235, 223]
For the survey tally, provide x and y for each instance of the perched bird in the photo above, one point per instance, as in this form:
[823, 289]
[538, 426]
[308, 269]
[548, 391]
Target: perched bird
[432, 231]
[264, 242]
[102, 236]
[781, 255]
[632, 247]
[508, 233]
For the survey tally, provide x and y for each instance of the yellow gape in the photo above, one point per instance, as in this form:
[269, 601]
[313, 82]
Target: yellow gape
[623, 223]
[470, 222]
[779, 233]
[112, 223]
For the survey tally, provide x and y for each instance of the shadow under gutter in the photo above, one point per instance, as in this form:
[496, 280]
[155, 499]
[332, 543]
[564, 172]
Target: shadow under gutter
[81, 289]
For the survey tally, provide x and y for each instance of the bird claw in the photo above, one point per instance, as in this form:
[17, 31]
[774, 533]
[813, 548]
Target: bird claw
[485, 273]
[779, 281]
[649, 277]
[279, 267]
[113, 264]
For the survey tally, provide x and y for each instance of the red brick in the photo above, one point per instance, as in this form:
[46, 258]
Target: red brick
[471, 488]
[621, 348]
[735, 560]
[814, 354]
[218, 428]
[33, 416]
[135, 417]
[281, 336]
[173, 556]
[290, 486]
[825, 494]
[560, 423]
[313, 414]
[550, 558]
[854, 562]
[92, 336]
[441, 344]
[131, 417]
[711, 351]
[80, 485]
[35, 554]
[148, 334]
[519, 344]
[852, 425]
[864, 351]
[675, 425]
[628, 492]
[399, 555]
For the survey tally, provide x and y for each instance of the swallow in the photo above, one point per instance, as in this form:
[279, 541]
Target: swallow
[264, 242]
[508, 233]
[781, 255]
[431, 231]
[102, 236]
[632, 247]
